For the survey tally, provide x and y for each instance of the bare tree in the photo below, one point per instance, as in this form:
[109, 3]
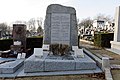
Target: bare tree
[104, 17]
[3, 29]
[87, 23]
[39, 24]
[35, 25]
[31, 25]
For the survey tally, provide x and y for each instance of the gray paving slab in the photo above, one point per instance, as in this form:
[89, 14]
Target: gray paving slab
[11, 75]
[59, 65]
[97, 70]
[34, 64]
[20, 73]
[10, 67]
[108, 74]
[6, 59]
[85, 63]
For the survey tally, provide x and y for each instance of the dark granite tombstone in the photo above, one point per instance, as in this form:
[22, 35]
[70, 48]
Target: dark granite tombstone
[19, 34]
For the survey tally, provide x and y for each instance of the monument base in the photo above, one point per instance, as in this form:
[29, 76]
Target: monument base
[58, 63]
[11, 67]
[115, 46]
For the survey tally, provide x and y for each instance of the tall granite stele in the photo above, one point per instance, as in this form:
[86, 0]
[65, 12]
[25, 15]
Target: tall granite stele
[60, 25]
[116, 43]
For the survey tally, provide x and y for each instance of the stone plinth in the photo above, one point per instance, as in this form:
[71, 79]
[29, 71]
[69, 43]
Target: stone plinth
[11, 67]
[115, 45]
[58, 63]
[85, 63]
[34, 64]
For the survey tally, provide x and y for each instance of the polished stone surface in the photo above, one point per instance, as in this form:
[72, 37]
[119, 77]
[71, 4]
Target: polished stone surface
[116, 43]
[11, 67]
[60, 28]
[61, 20]
[34, 64]
[58, 63]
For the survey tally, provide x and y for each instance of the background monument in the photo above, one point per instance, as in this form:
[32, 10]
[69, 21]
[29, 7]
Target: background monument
[116, 43]
[19, 34]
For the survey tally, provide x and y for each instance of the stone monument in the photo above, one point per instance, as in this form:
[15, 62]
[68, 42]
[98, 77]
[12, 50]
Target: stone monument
[116, 43]
[60, 29]
[60, 25]
[60, 38]
[19, 42]
[19, 35]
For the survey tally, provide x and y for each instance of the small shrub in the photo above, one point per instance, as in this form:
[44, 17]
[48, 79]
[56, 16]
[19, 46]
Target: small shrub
[59, 49]
[103, 39]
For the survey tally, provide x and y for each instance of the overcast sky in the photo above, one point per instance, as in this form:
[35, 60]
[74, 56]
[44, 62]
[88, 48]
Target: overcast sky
[12, 10]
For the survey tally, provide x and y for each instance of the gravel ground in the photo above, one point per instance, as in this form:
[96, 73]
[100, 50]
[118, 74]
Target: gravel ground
[69, 77]
[102, 52]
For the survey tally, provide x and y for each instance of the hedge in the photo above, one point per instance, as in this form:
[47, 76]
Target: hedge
[5, 44]
[35, 42]
[103, 39]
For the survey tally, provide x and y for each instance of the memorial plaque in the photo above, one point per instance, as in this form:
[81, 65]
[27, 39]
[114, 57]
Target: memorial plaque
[60, 28]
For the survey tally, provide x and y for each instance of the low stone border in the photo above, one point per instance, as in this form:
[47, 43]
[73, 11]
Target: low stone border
[115, 66]
[108, 75]
[95, 58]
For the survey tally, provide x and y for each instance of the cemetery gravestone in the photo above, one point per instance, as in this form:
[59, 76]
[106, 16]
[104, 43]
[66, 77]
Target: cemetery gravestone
[60, 25]
[60, 34]
[19, 33]
[116, 43]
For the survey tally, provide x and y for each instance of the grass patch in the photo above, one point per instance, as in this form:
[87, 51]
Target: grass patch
[116, 74]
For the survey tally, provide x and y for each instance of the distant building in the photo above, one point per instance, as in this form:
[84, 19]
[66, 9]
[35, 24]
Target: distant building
[109, 26]
[98, 25]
